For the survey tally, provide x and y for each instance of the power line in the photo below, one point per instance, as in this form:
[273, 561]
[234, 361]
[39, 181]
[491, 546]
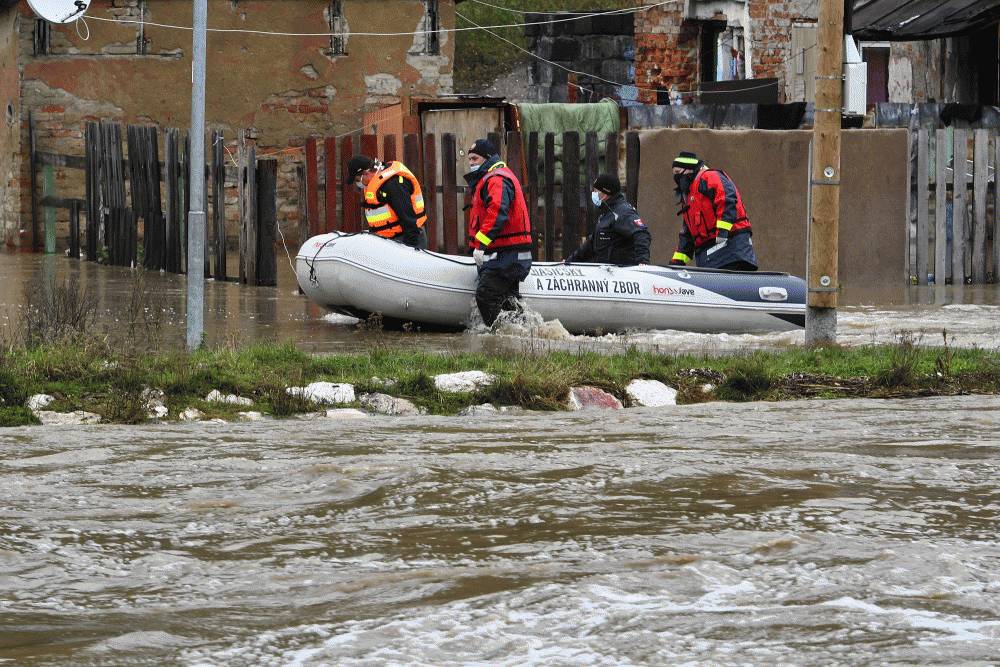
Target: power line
[619, 83]
[625, 10]
[412, 33]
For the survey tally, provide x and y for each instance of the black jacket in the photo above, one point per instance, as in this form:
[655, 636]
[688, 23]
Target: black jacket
[396, 192]
[620, 236]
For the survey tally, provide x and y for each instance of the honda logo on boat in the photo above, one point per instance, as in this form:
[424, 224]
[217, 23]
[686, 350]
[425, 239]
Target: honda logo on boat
[673, 291]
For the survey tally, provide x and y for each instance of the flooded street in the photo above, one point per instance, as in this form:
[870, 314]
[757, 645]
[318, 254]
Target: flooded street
[846, 532]
[811, 532]
[236, 314]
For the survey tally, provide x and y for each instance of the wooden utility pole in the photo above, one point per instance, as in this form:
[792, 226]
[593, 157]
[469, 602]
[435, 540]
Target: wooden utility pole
[821, 314]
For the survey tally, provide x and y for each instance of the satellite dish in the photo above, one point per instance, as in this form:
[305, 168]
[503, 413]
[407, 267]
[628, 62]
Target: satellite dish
[59, 11]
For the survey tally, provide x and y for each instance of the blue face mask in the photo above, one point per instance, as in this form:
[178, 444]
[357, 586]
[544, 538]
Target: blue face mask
[596, 198]
[475, 167]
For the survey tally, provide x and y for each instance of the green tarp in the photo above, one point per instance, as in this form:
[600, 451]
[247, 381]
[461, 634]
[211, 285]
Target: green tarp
[601, 118]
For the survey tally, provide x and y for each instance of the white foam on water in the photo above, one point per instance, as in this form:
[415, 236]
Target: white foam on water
[337, 318]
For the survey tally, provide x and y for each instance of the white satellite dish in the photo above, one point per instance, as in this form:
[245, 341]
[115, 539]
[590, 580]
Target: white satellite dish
[59, 11]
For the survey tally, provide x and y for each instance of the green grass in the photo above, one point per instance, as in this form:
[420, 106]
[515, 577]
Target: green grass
[92, 376]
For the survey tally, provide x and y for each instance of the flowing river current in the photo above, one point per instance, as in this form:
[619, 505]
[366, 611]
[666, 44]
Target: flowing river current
[810, 532]
[819, 532]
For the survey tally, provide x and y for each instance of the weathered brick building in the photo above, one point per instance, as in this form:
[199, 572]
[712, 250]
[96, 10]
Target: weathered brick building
[124, 63]
[679, 45]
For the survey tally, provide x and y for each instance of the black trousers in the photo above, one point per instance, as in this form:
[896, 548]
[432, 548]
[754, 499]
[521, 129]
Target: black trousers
[498, 291]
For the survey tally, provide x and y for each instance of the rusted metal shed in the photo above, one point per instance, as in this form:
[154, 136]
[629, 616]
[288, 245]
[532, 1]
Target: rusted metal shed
[905, 20]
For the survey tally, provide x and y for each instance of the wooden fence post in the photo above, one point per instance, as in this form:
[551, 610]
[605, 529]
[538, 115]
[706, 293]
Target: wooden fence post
[550, 197]
[923, 148]
[411, 152]
[592, 171]
[980, 175]
[172, 261]
[449, 189]
[611, 155]
[267, 222]
[531, 170]
[996, 208]
[940, 212]
[250, 222]
[312, 186]
[300, 179]
[389, 148]
[74, 229]
[330, 176]
[92, 175]
[350, 209]
[959, 167]
[430, 188]
[571, 192]
[218, 176]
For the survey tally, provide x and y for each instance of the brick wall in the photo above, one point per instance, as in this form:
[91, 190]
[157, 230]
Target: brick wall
[285, 88]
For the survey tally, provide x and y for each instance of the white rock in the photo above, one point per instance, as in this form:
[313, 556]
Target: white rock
[707, 388]
[216, 396]
[478, 410]
[651, 393]
[345, 413]
[39, 401]
[463, 382]
[325, 393]
[250, 416]
[157, 411]
[384, 404]
[67, 418]
[592, 398]
[387, 383]
[191, 415]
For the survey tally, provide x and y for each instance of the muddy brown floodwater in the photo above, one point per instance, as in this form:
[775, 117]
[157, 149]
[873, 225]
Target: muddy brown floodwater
[811, 532]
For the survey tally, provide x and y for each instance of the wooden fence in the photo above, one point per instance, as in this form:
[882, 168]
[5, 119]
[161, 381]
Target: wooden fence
[121, 191]
[956, 235]
[558, 228]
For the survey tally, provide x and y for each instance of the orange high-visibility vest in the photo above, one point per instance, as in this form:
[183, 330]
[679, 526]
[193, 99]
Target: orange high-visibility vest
[381, 219]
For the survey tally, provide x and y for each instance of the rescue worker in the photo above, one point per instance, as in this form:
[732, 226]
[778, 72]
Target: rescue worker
[394, 202]
[620, 236]
[715, 228]
[499, 231]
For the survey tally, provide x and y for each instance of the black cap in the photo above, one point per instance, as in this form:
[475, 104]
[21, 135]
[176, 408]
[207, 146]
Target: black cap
[608, 184]
[687, 160]
[484, 148]
[355, 166]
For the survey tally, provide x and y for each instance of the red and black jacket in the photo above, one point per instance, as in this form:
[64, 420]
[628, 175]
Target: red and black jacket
[713, 207]
[499, 217]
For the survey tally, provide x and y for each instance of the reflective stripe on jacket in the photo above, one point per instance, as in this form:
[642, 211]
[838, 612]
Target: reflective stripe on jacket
[379, 214]
[713, 207]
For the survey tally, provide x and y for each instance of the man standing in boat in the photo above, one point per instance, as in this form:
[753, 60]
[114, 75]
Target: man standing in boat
[499, 231]
[394, 202]
[715, 228]
[620, 236]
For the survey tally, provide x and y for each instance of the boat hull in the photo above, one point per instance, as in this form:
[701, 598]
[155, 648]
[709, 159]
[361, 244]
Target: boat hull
[359, 274]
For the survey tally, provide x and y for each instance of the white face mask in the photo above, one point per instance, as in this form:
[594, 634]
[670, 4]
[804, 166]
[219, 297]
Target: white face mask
[360, 185]
[475, 167]
[596, 198]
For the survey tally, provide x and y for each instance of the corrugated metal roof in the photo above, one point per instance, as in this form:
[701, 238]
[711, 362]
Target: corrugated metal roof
[903, 20]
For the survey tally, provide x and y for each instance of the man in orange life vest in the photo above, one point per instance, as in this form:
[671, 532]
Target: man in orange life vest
[715, 227]
[499, 231]
[394, 202]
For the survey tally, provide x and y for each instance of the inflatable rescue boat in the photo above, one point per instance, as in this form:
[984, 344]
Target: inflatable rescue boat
[362, 274]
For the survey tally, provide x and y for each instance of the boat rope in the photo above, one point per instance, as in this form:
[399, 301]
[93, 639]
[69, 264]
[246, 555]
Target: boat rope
[312, 264]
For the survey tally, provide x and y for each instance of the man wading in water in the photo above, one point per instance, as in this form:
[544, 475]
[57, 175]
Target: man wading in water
[499, 231]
